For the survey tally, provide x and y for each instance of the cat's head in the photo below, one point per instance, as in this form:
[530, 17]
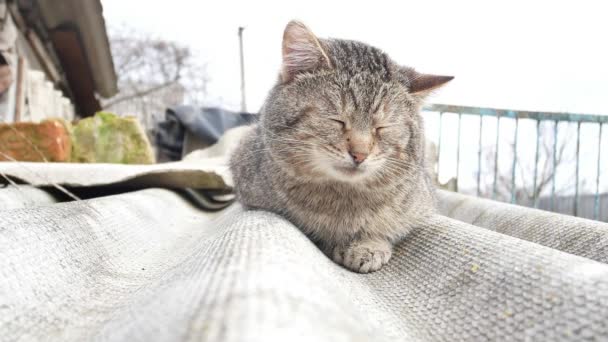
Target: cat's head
[343, 110]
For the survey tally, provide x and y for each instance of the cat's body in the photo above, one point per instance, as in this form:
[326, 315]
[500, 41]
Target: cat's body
[331, 213]
[339, 149]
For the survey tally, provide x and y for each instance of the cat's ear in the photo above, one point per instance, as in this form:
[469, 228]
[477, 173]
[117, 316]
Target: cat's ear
[423, 84]
[302, 51]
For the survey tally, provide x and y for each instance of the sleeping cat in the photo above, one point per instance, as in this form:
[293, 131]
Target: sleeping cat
[339, 148]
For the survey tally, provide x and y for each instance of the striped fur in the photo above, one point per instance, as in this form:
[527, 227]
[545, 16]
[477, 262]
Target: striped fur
[296, 162]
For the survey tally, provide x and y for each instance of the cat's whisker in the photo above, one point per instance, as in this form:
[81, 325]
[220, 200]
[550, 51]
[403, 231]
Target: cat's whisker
[284, 138]
[398, 168]
[401, 171]
[304, 132]
[391, 170]
[256, 155]
[404, 163]
[287, 140]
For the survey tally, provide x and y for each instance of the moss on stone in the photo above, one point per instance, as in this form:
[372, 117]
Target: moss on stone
[108, 138]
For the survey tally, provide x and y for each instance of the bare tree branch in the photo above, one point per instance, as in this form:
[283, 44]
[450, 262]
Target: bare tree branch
[525, 171]
[139, 93]
[153, 74]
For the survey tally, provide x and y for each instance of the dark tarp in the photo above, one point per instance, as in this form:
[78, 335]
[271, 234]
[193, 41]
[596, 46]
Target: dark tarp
[206, 124]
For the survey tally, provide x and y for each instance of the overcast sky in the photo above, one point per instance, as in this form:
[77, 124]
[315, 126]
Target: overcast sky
[534, 55]
[537, 55]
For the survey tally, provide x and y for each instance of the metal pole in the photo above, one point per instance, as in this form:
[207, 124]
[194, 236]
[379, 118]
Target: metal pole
[458, 152]
[536, 156]
[243, 101]
[596, 210]
[554, 170]
[479, 157]
[496, 157]
[578, 159]
[513, 190]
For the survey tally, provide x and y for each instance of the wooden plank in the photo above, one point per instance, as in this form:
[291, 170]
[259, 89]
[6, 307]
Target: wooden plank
[77, 70]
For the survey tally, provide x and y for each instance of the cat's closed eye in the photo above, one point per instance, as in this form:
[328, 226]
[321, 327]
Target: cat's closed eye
[381, 129]
[340, 122]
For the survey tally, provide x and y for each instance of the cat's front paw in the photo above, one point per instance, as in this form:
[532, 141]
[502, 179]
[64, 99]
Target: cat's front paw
[363, 256]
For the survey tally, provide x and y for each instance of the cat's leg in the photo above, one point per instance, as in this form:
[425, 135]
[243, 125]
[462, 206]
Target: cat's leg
[363, 256]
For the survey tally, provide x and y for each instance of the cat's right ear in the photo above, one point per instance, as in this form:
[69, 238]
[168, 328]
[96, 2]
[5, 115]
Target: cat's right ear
[302, 51]
[421, 85]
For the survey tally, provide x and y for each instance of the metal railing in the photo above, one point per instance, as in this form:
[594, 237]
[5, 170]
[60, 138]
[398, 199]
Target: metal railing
[516, 115]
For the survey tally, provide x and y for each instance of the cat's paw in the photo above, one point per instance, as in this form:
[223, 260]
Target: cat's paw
[363, 256]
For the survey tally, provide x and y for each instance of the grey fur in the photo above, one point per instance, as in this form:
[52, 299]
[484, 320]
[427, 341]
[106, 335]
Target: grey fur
[287, 163]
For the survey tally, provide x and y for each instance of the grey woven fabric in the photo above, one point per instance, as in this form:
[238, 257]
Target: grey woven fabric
[13, 197]
[566, 233]
[147, 266]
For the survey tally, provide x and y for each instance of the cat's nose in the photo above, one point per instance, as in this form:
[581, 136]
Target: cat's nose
[358, 157]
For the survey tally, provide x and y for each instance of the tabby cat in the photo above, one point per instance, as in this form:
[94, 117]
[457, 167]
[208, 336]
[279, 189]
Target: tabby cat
[339, 148]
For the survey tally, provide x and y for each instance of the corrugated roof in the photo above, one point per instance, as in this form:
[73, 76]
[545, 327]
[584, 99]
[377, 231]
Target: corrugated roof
[148, 266]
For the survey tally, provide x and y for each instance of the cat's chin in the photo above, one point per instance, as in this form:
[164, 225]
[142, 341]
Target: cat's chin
[349, 170]
[346, 174]
[341, 171]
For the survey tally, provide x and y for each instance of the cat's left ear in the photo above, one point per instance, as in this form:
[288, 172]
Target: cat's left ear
[423, 84]
[302, 51]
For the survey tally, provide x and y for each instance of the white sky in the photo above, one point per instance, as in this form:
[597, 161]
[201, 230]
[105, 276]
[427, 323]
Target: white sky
[535, 55]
